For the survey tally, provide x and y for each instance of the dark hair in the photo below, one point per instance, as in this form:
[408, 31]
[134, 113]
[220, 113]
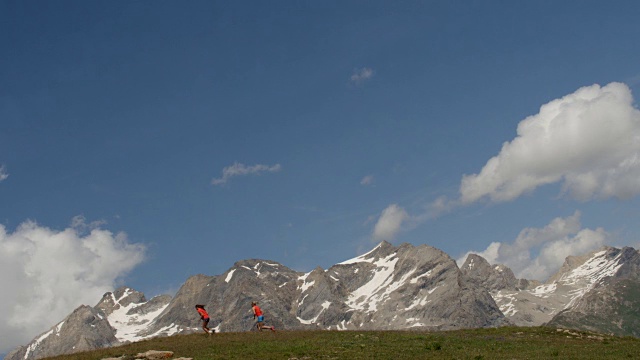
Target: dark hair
[253, 303]
[200, 306]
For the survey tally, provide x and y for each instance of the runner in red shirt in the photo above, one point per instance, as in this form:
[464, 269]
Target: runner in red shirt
[257, 312]
[204, 316]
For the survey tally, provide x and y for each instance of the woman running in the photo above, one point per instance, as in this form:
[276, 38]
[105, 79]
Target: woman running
[204, 316]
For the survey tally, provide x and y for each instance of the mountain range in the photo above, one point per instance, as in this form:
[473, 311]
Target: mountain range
[389, 288]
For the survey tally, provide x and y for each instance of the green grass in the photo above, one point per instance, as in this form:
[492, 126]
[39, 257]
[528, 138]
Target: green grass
[500, 343]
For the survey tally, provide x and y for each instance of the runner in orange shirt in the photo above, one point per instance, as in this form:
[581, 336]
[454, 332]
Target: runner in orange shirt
[204, 316]
[257, 312]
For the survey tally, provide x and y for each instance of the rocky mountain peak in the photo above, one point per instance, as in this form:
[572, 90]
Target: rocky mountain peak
[121, 297]
[388, 285]
[491, 277]
[382, 250]
[589, 268]
[630, 259]
[475, 261]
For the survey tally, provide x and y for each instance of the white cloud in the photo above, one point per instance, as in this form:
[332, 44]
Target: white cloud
[389, 223]
[438, 207]
[45, 274]
[395, 219]
[589, 141]
[3, 173]
[539, 253]
[367, 180]
[361, 75]
[490, 254]
[238, 169]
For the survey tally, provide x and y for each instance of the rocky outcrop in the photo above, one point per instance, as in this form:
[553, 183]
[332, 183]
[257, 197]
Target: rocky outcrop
[155, 355]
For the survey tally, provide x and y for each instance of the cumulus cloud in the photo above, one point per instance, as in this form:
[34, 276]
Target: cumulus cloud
[538, 253]
[361, 75]
[395, 218]
[588, 141]
[389, 223]
[45, 274]
[367, 180]
[3, 173]
[238, 169]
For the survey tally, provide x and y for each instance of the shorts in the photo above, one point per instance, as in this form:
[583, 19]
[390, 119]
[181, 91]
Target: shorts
[206, 321]
[261, 318]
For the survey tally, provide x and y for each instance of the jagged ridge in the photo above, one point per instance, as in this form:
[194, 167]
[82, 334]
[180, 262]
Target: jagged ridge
[402, 287]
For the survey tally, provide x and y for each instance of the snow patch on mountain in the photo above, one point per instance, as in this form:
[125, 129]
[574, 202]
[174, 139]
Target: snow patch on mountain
[128, 326]
[229, 276]
[544, 291]
[368, 296]
[506, 302]
[418, 302]
[305, 285]
[415, 279]
[35, 344]
[167, 331]
[361, 258]
[325, 306]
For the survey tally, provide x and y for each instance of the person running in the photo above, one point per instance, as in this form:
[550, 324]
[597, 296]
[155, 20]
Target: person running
[257, 312]
[204, 316]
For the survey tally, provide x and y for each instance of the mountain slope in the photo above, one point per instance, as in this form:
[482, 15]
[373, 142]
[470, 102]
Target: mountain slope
[611, 304]
[583, 290]
[412, 287]
[84, 329]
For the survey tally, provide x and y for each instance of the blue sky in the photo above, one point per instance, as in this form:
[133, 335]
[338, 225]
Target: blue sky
[145, 142]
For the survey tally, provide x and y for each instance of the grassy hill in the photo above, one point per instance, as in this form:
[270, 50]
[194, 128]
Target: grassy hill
[500, 343]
